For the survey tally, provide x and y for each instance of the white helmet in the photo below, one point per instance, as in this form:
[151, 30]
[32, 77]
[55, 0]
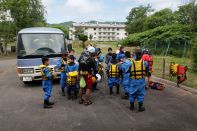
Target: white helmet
[91, 49]
[98, 77]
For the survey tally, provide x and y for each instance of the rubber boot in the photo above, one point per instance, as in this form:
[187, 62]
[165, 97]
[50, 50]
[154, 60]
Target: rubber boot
[132, 106]
[117, 90]
[46, 104]
[50, 103]
[110, 91]
[63, 92]
[141, 108]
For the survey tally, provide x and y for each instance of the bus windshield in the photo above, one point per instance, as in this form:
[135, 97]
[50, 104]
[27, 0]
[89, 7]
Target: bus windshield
[40, 44]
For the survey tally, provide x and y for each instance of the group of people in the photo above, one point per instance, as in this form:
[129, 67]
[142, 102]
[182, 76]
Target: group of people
[122, 69]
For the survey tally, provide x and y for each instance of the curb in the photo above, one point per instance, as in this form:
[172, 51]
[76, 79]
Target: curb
[173, 84]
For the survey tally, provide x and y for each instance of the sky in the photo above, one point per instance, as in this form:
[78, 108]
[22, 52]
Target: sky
[101, 10]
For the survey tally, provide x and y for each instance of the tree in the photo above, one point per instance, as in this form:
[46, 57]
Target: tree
[136, 18]
[18, 14]
[64, 29]
[83, 38]
[187, 13]
[27, 13]
[160, 18]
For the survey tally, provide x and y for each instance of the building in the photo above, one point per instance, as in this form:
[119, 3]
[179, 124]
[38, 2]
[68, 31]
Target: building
[100, 31]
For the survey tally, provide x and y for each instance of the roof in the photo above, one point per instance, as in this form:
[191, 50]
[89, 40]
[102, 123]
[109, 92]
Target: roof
[40, 30]
[98, 25]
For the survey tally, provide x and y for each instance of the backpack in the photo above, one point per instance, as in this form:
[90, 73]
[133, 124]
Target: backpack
[83, 61]
[156, 85]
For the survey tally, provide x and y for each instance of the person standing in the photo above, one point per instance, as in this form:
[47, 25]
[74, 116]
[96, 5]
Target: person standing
[46, 82]
[72, 76]
[62, 62]
[125, 70]
[87, 69]
[113, 72]
[138, 71]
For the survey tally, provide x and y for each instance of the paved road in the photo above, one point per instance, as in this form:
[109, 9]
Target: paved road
[21, 109]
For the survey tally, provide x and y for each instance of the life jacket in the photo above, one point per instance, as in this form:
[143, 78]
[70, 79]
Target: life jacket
[181, 74]
[179, 71]
[114, 71]
[149, 59]
[173, 68]
[138, 70]
[72, 78]
[43, 73]
[62, 69]
[100, 67]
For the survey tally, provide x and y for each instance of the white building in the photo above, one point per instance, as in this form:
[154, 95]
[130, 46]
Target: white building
[99, 31]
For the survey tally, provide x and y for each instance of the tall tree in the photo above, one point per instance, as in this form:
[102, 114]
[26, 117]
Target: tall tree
[18, 14]
[136, 18]
[187, 13]
[160, 18]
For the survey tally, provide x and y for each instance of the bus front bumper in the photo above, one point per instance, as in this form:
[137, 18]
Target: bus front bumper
[35, 77]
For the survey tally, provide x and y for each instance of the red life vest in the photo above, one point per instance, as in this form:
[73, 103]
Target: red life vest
[149, 59]
[181, 74]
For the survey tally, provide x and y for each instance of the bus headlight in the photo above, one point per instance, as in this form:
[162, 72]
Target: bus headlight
[56, 69]
[27, 71]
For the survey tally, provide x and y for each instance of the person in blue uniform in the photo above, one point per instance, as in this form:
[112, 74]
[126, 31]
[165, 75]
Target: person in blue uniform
[61, 65]
[46, 82]
[113, 72]
[121, 53]
[138, 71]
[126, 78]
[72, 79]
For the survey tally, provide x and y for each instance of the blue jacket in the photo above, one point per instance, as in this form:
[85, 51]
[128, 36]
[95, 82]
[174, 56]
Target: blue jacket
[71, 68]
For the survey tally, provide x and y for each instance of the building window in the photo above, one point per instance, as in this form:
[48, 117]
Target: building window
[109, 29]
[94, 33]
[99, 29]
[112, 29]
[94, 28]
[86, 28]
[103, 33]
[99, 33]
[104, 29]
[117, 29]
[117, 33]
[108, 33]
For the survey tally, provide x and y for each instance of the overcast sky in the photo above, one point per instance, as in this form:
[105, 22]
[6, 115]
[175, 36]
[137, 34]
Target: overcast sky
[101, 10]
